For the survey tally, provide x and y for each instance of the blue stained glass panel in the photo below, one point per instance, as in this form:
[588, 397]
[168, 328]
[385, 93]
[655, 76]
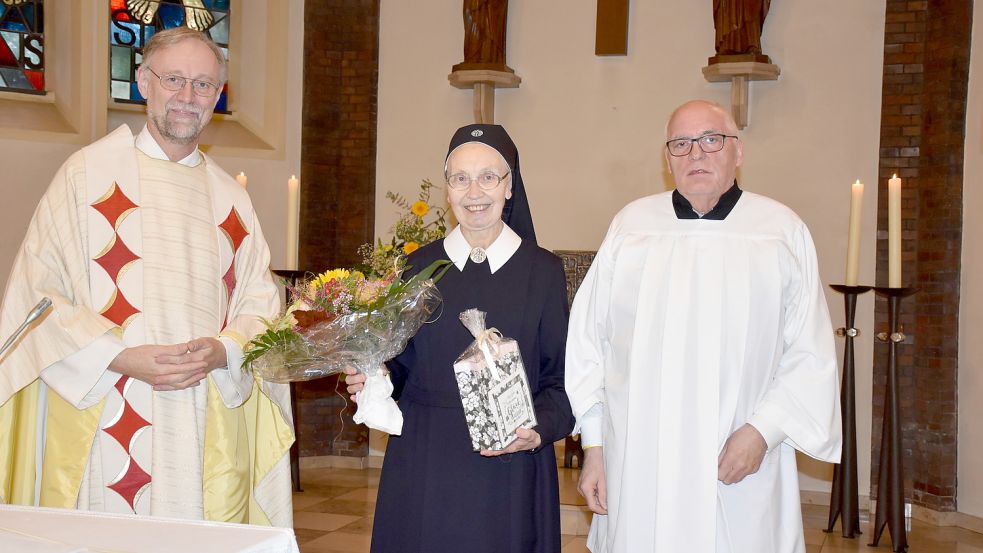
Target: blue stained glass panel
[135, 93]
[221, 5]
[22, 45]
[222, 105]
[28, 11]
[14, 26]
[171, 15]
[15, 78]
[220, 29]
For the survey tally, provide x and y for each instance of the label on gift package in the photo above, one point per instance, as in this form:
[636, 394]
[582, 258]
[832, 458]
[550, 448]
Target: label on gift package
[510, 405]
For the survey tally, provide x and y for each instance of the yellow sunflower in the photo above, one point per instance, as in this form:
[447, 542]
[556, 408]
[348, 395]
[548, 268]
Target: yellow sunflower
[420, 208]
[320, 280]
[410, 247]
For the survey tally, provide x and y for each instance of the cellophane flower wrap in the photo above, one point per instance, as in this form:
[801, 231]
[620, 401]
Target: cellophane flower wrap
[341, 319]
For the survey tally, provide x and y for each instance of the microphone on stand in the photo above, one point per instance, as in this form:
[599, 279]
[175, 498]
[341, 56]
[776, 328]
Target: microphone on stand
[38, 310]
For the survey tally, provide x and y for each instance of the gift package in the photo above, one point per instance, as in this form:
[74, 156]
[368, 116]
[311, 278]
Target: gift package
[493, 386]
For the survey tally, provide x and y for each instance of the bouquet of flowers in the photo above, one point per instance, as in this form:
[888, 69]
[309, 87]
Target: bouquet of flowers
[411, 231]
[341, 319]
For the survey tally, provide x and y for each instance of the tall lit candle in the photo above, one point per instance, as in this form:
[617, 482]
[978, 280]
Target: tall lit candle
[293, 221]
[241, 179]
[894, 232]
[853, 235]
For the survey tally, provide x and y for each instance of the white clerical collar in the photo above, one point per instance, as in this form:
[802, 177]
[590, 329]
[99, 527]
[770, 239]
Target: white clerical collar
[498, 253]
[146, 143]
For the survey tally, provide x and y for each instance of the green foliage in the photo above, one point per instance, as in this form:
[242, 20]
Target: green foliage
[419, 223]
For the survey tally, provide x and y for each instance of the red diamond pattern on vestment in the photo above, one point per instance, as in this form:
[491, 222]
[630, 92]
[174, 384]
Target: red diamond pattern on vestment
[234, 230]
[132, 482]
[127, 426]
[229, 279]
[117, 257]
[114, 206]
[119, 311]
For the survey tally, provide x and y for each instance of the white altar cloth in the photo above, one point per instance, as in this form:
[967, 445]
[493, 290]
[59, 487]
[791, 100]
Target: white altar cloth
[43, 530]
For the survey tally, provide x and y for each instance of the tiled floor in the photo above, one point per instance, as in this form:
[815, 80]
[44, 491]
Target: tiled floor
[334, 515]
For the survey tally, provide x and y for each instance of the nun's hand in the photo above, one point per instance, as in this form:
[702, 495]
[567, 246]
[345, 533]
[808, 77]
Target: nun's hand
[527, 439]
[355, 381]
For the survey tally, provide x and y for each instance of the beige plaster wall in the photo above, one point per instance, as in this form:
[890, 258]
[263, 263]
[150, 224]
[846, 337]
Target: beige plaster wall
[969, 493]
[590, 129]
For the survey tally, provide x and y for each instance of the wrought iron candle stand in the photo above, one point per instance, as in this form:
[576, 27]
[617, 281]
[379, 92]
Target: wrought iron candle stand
[845, 502]
[291, 276]
[890, 475]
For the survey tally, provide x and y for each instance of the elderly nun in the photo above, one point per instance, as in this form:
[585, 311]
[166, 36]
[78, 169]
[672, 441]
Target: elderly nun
[436, 493]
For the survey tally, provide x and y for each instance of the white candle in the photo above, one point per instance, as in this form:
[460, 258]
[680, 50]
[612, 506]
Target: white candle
[894, 232]
[241, 179]
[293, 221]
[853, 235]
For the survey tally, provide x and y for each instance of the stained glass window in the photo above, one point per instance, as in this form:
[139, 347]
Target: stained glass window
[133, 22]
[22, 46]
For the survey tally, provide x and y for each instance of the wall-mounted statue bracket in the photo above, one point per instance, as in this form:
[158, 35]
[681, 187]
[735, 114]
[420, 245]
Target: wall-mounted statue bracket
[739, 73]
[484, 69]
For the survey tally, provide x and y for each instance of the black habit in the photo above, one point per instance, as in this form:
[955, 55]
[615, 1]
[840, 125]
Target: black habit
[438, 495]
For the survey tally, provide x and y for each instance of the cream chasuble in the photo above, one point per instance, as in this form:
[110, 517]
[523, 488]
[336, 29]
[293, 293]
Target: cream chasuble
[145, 251]
[683, 331]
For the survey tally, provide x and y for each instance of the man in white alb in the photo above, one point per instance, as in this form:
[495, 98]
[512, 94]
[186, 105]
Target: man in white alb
[129, 395]
[700, 357]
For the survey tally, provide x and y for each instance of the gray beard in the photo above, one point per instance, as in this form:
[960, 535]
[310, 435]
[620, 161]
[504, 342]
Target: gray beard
[169, 133]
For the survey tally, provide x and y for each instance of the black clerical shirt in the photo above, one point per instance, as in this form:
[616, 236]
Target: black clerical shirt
[684, 209]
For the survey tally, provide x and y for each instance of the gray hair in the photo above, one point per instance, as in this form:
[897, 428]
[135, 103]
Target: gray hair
[172, 36]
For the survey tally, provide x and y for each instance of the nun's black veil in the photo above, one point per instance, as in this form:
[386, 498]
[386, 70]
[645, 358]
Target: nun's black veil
[516, 212]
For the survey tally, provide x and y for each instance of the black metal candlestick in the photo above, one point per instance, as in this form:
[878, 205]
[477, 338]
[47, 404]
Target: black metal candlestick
[890, 474]
[291, 276]
[845, 501]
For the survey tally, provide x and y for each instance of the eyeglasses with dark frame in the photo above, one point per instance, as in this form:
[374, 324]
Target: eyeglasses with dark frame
[175, 83]
[486, 180]
[709, 143]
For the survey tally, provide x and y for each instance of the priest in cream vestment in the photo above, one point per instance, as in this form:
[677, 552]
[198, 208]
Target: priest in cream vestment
[700, 357]
[129, 394]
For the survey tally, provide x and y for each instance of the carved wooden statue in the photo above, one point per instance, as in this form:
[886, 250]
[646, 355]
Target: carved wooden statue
[738, 24]
[484, 35]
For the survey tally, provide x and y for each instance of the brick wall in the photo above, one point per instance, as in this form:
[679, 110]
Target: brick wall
[324, 420]
[341, 66]
[923, 113]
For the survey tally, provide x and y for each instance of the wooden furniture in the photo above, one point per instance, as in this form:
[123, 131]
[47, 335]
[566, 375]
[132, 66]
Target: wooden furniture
[575, 266]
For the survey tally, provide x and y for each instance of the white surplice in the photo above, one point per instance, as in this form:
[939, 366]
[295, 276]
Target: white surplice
[683, 331]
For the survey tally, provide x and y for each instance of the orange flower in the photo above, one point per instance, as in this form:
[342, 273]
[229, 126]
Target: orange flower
[420, 208]
[410, 247]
